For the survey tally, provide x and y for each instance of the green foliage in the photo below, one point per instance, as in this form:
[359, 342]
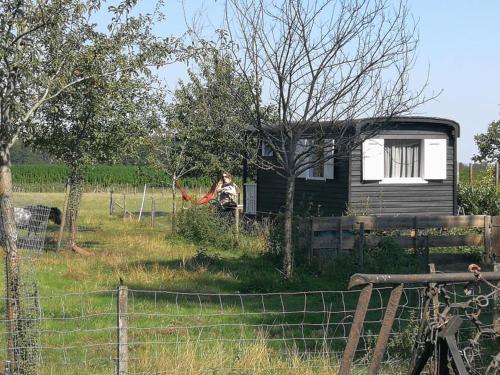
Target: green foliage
[99, 119]
[478, 171]
[102, 175]
[389, 257]
[488, 144]
[403, 343]
[21, 154]
[203, 226]
[482, 197]
[386, 257]
[200, 129]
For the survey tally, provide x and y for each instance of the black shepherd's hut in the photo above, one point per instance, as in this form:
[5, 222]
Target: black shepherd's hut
[409, 167]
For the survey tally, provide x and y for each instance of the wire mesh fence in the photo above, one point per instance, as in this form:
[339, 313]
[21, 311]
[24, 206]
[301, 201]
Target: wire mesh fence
[31, 224]
[163, 332]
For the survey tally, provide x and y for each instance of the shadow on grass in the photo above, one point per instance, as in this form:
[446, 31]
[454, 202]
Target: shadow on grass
[305, 314]
[148, 214]
[242, 274]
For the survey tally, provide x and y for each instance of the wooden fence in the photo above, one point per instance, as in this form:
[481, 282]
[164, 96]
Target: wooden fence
[331, 235]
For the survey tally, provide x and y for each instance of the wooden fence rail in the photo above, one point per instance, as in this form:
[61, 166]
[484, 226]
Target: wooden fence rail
[346, 232]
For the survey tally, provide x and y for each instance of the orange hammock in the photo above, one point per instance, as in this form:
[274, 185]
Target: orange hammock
[206, 198]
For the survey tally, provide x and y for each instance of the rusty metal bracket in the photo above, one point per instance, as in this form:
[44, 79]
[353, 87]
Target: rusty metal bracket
[438, 329]
[356, 329]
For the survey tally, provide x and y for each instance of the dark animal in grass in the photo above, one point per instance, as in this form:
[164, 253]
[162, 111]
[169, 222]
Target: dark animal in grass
[33, 219]
[33, 216]
[31, 223]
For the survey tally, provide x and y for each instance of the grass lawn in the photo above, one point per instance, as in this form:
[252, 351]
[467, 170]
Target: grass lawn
[176, 323]
[171, 332]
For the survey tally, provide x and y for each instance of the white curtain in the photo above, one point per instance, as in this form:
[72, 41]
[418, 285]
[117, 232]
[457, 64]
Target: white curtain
[402, 158]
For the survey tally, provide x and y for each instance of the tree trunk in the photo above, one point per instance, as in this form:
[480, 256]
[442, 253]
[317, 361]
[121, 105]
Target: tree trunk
[9, 234]
[74, 199]
[288, 240]
[174, 208]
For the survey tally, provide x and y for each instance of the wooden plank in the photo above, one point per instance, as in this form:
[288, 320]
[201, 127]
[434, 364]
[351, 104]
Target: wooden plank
[325, 223]
[470, 221]
[397, 222]
[442, 241]
[332, 243]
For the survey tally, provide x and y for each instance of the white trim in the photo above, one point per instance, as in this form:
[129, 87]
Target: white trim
[403, 180]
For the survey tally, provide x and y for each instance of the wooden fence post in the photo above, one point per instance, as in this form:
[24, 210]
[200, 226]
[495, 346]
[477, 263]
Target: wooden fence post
[309, 237]
[111, 203]
[414, 235]
[426, 253]
[123, 207]
[153, 211]
[122, 325]
[341, 244]
[487, 254]
[237, 224]
[361, 247]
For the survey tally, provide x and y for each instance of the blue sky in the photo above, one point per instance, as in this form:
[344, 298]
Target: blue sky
[460, 43]
[459, 49]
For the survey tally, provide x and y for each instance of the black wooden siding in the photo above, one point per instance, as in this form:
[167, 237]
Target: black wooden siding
[323, 197]
[433, 198]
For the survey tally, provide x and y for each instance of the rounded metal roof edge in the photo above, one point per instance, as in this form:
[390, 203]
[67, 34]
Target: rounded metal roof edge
[422, 119]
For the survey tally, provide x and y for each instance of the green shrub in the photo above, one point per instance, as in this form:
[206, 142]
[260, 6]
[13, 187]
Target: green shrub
[482, 197]
[389, 257]
[386, 257]
[203, 226]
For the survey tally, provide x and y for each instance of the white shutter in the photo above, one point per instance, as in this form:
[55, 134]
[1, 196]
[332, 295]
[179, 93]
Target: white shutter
[329, 166]
[302, 146]
[251, 198]
[434, 155]
[373, 159]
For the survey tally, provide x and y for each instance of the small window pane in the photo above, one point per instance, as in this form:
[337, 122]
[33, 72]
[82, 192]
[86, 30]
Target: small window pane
[267, 150]
[402, 158]
[317, 170]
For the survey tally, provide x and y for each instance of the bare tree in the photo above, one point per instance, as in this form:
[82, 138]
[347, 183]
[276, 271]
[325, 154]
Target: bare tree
[320, 65]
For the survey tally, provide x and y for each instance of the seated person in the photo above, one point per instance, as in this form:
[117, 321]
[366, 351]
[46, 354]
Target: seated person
[227, 191]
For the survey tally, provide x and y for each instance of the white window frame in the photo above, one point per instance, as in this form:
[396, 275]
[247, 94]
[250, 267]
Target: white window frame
[410, 180]
[407, 180]
[327, 164]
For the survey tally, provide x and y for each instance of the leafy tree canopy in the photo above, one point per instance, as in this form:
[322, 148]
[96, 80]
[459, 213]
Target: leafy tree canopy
[200, 126]
[488, 144]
